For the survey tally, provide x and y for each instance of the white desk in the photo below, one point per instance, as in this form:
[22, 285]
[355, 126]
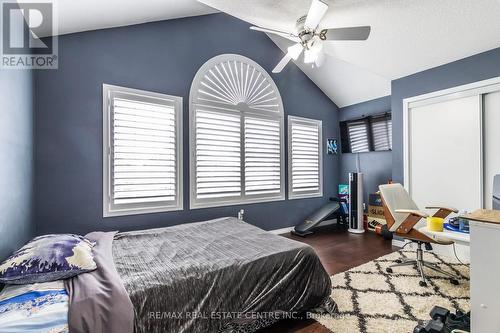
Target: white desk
[484, 242]
[458, 237]
[485, 270]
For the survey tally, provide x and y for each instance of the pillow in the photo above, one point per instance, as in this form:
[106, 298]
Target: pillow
[48, 258]
[34, 308]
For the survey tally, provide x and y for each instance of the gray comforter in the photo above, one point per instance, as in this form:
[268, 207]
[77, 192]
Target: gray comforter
[222, 275]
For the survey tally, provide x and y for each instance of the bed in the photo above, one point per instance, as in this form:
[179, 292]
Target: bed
[218, 276]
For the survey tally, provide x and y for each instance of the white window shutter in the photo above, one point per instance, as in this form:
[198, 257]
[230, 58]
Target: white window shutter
[358, 136]
[142, 168]
[236, 134]
[305, 157]
[389, 132]
[262, 156]
[382, 134]
[218, 155]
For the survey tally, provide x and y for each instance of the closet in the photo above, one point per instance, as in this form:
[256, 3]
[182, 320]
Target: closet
[452, 145]
[451, 154]
[491, 146]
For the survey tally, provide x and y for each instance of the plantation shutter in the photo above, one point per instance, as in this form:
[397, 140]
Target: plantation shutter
[262, 156]
[143, 152]
[238, 157]
[382, 133]
[389, 130]
[218, 155]
[305, 161]
[358, 136]
[236, 134]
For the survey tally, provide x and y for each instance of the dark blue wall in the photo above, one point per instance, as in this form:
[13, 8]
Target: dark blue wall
[161, 57]
[16, 154]
[375, 166]
[476, 68]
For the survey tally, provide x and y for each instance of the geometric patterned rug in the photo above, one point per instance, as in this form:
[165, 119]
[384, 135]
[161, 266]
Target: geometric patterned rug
[373, 301]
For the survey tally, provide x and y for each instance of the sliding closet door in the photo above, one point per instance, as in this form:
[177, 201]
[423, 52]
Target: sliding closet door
[491, 143]
[445, 153]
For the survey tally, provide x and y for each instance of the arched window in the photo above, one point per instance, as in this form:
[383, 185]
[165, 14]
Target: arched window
[236, 134]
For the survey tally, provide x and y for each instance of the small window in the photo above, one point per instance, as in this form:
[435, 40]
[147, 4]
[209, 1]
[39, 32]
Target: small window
[236, 134]
[358, 136]
[373, 133]
[142, 160]
[305, 158]
[381, 133]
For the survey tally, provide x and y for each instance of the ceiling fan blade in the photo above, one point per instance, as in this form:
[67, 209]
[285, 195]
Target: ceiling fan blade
[351, 33]
[316, 12]
[283, 62]
[287, 35]
[294, 52]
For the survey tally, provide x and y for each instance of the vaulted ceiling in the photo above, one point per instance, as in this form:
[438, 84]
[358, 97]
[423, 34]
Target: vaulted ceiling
[407, 36]
[84, 15]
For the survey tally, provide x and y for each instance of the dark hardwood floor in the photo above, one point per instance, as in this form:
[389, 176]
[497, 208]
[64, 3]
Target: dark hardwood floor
[338, 251]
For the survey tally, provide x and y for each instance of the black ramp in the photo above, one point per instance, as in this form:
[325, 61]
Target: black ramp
[304, 228]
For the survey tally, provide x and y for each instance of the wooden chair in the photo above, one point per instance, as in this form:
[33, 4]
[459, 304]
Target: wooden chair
[402, 214]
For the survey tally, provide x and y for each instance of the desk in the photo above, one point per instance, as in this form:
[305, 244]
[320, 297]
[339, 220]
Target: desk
[484, 215]
[485, 270]
[458, 237]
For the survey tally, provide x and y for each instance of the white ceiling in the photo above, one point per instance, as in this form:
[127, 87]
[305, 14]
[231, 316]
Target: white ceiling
[83, 15]
[407, 36]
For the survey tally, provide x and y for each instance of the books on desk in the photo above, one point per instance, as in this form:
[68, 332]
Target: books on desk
[450, 227]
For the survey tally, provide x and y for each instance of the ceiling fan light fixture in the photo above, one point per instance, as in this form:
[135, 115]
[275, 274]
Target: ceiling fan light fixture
[313, 51]
[309, 57]
[316, 45]
[295, 50]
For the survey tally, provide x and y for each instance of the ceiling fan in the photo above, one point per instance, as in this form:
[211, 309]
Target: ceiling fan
[310, 38]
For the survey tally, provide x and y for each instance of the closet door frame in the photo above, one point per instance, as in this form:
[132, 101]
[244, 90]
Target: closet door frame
[478, 89]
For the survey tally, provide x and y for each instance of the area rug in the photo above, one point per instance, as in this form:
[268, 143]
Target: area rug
[373, 301]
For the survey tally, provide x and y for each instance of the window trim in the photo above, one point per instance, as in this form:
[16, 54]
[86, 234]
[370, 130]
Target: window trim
[242, 110]
[108, 89]
[305, 121]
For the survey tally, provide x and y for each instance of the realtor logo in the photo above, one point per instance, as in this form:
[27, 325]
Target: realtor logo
[28, 36]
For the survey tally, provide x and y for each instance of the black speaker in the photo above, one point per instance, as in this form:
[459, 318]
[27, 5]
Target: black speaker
[356, 203]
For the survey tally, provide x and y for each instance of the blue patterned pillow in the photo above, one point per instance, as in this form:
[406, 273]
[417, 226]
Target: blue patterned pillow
[48, 258]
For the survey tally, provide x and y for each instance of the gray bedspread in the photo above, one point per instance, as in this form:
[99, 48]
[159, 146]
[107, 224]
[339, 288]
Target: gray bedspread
[217, 276]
